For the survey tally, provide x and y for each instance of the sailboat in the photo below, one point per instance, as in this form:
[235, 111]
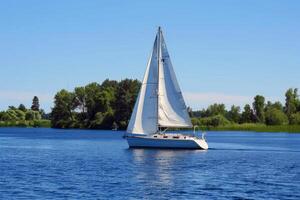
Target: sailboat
[160, 106]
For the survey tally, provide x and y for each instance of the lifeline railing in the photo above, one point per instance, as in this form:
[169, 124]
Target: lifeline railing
[203, 132]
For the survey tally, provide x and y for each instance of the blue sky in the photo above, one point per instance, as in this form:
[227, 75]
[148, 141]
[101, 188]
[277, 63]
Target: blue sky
[222, 51]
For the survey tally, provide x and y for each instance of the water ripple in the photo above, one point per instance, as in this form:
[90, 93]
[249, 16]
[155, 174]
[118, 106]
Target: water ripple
[68, 164]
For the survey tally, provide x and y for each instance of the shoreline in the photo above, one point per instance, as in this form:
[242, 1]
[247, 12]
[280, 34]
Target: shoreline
[232, 127]
[256, 128]
[42, 123]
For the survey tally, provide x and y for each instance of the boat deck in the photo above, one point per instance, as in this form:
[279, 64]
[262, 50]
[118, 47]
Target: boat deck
[172, 136]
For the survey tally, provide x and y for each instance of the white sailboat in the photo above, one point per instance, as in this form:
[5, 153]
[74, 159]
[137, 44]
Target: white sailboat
[159, 106]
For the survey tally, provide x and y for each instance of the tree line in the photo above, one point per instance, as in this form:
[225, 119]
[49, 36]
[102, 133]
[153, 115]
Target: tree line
[109, 106]
[96, 106]
[22, 116]
[260, 112]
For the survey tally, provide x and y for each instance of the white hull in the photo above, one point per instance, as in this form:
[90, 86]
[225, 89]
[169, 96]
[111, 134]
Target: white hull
[167, 141]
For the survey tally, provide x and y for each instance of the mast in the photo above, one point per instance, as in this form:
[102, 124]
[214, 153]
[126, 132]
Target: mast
[158, 59]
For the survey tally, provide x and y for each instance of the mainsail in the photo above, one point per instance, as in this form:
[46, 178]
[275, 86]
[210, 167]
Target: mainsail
[160, 102]
[172, 110]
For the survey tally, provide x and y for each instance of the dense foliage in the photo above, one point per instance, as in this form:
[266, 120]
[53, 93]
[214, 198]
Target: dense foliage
[95, 106]
[109, 105]
[24, 117]
[261, 113]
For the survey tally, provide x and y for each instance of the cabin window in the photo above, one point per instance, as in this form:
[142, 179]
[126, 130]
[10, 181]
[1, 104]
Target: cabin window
[155, 136]
[165, 136]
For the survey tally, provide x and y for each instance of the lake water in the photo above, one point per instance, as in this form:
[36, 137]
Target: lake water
[82, 164]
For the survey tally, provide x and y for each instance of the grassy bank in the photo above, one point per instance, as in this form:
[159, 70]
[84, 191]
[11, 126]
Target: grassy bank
[231, 127]
[255, 127]
[26, 123]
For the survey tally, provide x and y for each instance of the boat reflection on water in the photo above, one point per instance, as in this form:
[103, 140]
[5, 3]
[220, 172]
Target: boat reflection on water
[160, 168]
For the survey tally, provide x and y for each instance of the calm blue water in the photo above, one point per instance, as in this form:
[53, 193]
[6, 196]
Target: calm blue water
[81, 164]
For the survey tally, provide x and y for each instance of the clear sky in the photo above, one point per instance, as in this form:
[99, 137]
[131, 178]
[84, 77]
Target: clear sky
[222, 51]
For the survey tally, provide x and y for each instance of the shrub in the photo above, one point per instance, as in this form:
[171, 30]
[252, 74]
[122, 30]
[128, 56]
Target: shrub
[217, 120]
[32, 115]
[22, 123]
[29, 115]
[11, 115]
[295, 118]
[5, 116]
[195, 121]
[275, 117]
[37, 115]
[20, 114]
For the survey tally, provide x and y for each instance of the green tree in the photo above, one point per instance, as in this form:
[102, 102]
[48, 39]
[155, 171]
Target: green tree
[20, 114]
[62, 113]
[195, 121]
[2, 113]
[97, 121]
[12, 108]
[291, 102]
[35, 104]
[111, 88]
[108, 120]
[275, 116]
[125, 99]
[80, 98]
[104, 118]
[29, 115]
[12, 115]
[95, 106]
[216, 109]
[110, 84]
[234, 114]
[22, 107]
[37, 115]
[32, 115]
[100, 100]
[258, 107]
[199, 113]
[276, 105]
[44, 115]
[247, 115]
[295, 118]
[4, 116]
[216, 120]
[94, 99]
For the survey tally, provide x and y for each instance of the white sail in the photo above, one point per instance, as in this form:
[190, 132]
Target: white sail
[144, 116]
[172, 110]
[160, 102]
